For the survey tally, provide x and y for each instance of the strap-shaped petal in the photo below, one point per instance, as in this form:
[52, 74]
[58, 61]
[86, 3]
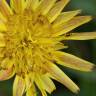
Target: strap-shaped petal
[5, 9]
[18, 86]
[57, 8]
[31, 91]
[80, 36]
[6, 74]
[61, 77]
[70, 25]
[2, 18]
[2, 42]
[40, 85]
[73, 62]
[45, 6]
[18, 5]
[59, 46]
[32, 4]
[48, 83]
[65, 16]
[7, 63]
[2, 26]
[29, 79]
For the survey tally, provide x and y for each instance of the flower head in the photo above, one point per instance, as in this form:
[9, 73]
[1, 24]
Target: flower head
[31, 32]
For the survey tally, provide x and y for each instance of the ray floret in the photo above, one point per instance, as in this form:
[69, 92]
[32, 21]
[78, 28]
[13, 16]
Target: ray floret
[31, 35]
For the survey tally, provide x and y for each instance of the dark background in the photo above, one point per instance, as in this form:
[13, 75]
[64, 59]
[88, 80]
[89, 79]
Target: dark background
[83, 49]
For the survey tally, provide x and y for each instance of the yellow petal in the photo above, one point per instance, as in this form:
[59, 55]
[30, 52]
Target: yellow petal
[31, 91]
[48, 84]
[61, 77]
[72, 61]
[32, 4]
[2, 42]
[18, 5]
[45, 6]
[29, 79]
[5, 9]
[70, 25]
[59, 46]
[64, 17]
[57, 8]
[2, 26]
[80, 36]
[40, 85]
[2, 18]
[18, 86]
[47, 41]
[7, 63]
[6, 74]
[28, 82]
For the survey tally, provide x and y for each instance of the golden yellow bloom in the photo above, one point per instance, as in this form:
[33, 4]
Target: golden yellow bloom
[31, 32]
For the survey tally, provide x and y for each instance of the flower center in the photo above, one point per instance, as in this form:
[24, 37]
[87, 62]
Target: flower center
[23, 37]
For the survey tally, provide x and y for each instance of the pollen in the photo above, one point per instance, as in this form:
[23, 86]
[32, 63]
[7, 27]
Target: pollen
[31, 35]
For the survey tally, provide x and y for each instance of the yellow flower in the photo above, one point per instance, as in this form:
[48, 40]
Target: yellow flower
[31, 32]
